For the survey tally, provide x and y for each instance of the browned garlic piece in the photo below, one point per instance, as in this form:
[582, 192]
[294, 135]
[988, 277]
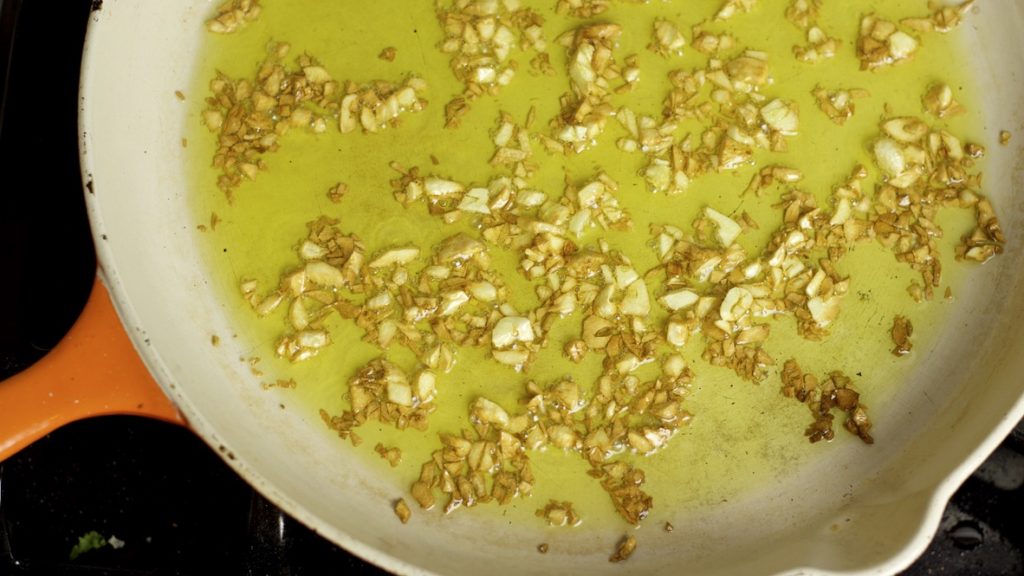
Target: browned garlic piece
[819, 46]
[711, 43]
[732, 7]
[667, 39]
[582, 8]
[233, 15]
[897, 153]
[781, 117]
[882, 43]
[393, 455]
[594, 204]
[803, 13]
[939, 101]
[624, 550]
[902, 330]
[987, 239]
[839, 105]
[667, 175]
[559, 514]
[512, 340]
[771, 175]
[402, 511]
[592, 68]
[375, 107]
[303, 345]
[727, 228]
[944, 19]
[512, 147]
[822, 397]
[744, 73]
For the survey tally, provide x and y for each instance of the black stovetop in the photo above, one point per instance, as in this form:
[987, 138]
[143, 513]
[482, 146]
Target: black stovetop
[175, 505]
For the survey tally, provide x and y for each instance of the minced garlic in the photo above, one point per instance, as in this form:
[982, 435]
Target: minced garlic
[481, 37]
[624, 550]
[819, 46]
[559, 514]
[667, 39]
[902, 330]
[838, 105]
[233, 15]
[939, 101]
[402, 511]
[822, 396]
[725, 114]
[882, 43]
[732, 7]
[250, 115]
[803, 13]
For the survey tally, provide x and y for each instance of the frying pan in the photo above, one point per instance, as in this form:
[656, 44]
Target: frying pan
[855, 510]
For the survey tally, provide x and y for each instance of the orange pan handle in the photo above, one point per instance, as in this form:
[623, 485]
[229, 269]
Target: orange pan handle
[93, 371]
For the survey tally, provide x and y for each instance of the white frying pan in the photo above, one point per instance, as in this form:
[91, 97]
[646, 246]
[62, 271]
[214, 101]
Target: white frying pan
[854, 510]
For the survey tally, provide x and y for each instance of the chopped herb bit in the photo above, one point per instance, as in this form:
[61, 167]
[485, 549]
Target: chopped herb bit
[87, 542]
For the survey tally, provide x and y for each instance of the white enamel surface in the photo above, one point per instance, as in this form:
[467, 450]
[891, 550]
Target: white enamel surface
[856, 510]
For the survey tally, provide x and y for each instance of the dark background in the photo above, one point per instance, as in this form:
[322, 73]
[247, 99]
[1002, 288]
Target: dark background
[156, 486]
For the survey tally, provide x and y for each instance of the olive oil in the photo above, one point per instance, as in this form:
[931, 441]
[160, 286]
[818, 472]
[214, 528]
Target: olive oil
[741, 433]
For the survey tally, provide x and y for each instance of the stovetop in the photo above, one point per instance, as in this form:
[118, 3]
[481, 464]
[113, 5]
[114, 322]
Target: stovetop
[155, 490]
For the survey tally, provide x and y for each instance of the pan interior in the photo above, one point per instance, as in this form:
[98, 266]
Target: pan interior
[842, 507]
